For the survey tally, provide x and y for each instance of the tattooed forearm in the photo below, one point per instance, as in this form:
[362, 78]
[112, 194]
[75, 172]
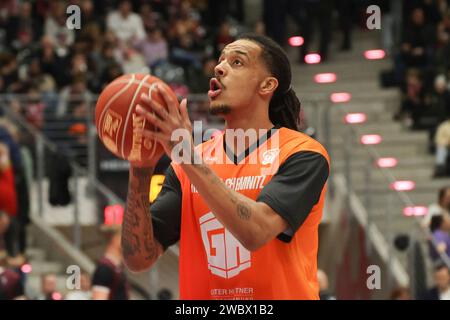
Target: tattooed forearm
[137, 234]
[243, 211]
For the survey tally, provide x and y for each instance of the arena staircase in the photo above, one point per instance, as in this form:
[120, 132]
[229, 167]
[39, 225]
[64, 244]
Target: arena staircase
[360, 78]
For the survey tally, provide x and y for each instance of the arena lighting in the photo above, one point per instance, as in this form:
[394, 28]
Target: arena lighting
[387, 162]
[353, 118]
[325, 77]
[371, 139]
[26, 268]
[405, 185]
[113, 214]
[296, 41]
[340, 97]
[56, 296]
[312, 58]
[416, 211]
[374, 54]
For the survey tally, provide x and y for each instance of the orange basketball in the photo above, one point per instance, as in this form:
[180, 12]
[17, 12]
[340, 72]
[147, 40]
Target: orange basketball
[115, 117]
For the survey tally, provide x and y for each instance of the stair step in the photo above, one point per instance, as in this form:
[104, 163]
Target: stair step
[360, 152]
[41, 267]
[36, 254]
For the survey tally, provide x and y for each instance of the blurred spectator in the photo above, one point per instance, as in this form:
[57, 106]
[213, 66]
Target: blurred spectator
[321, 11]
[20, 161]
[413, 99]
[125, 24]
[165, 294]
[416, 39]
[185, 36]
[133, 62]
[84, 293]
[11, 286]
[440, 228]
[55, 28]
[109, 281]
[51, 63]
[48, 287]
[74, 99]
[442, 207]
[401, 293]
[442, 141]
[22, 26]
[8, 201]
[154, 48]
[224, 37]
[4, 225]
[203, 77]
[324, 292]
[10, 73]
[151, 19]
[441, 290]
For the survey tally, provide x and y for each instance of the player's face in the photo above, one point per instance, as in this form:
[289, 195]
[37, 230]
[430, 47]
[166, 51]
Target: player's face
[239, 73]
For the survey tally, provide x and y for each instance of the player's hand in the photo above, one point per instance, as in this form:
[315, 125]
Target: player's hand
[173, 124]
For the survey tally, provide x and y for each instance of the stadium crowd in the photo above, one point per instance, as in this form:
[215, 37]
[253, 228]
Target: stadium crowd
[422, 71]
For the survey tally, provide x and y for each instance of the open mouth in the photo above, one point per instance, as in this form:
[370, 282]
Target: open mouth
[215, 88]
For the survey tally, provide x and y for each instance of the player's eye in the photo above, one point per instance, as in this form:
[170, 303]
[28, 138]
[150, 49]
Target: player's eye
[237, 62]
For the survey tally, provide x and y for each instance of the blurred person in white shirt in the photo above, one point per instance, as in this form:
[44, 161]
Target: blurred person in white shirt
[441, 207]
[125, 24]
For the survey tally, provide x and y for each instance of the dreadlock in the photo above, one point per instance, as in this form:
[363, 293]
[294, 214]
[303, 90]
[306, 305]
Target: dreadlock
[284, 107]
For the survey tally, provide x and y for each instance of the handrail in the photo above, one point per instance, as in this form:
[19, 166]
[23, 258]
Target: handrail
[386, 172]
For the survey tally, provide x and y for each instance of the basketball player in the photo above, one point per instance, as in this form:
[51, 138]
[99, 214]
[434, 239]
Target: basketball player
[242, 234]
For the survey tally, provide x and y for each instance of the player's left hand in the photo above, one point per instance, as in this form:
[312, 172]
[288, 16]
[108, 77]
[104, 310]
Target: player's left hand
[171, 122]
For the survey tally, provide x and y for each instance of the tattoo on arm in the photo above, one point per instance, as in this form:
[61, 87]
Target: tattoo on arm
[242, 208]
[137, 233]
[243, 211]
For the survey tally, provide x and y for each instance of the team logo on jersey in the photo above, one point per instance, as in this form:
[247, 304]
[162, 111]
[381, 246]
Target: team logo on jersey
[269, 156]
[227, 257]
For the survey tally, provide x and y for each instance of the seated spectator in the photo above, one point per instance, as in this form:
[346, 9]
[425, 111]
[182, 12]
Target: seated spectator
[10, 73]
[324, 292]
[151, 18]
[84, 293]
[109, 281]
[442, 207]
[416, 40]
[48, 288]
[55, 28]
[133, 62]
[442, 142]
[51, 63]
[125, 24]
[74, 97]
[20, 23]
[8, 202]
[441, 290]
[154, 48]
[413, 99]
[202, 79]
[440, 228]
[11, 286]
[4, 225]
[438, 106]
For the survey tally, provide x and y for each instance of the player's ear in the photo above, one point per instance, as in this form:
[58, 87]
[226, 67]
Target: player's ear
[268, 86]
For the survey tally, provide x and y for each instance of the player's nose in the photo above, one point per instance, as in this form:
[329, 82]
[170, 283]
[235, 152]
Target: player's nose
[219, 70]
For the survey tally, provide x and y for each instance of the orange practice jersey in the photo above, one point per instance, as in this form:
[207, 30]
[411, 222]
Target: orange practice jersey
[214, 265]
